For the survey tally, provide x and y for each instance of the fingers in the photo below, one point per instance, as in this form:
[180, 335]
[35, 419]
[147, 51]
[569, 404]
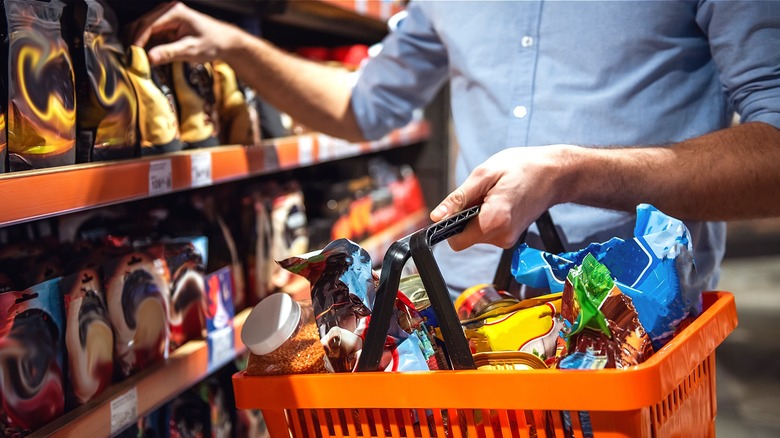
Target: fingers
[164, 17]
[181, 50]
[470, 193]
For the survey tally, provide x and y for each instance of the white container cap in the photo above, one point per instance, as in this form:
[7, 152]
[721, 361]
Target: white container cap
[270, 323]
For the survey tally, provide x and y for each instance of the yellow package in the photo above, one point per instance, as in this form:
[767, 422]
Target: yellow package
[530, 326]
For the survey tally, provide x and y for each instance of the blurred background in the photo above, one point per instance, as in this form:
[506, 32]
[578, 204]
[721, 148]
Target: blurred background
[748, 361]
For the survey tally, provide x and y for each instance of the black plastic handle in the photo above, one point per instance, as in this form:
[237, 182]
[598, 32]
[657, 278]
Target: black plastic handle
[418, 246]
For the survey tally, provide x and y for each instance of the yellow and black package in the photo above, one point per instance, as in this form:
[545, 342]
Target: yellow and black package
[237, 107]
[193, 87]
[157, 119]
[41, 124]
[531, 326]
[106, 110]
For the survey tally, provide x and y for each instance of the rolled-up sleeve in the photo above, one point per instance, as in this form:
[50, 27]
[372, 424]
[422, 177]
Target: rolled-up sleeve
[745, 42]
[405, 75]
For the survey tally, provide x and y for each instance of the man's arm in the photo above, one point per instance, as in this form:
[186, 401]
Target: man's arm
[316, 95]
[725, 175]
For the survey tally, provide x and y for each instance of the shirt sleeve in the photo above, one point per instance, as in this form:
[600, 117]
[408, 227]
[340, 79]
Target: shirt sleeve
[405, 75]
[745, 43]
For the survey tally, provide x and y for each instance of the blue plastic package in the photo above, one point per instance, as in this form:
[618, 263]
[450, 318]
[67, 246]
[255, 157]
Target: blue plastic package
[654, 269]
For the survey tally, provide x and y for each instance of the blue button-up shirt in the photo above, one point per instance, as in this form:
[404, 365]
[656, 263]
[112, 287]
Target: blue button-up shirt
[595, 73]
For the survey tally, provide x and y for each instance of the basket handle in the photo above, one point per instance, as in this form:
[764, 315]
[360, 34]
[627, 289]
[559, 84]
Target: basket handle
[418, 246]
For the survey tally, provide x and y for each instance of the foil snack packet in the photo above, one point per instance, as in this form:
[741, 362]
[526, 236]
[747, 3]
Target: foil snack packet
[655, 269]
[186, 261]
[89, 337]
[32, 358]
[603, 321]
[41, 124]
[237, 107]
[343, 290]
[193, 88]
[107, 108]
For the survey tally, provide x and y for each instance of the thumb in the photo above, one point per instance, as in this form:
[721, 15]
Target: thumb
[470, 193]
[180, 50]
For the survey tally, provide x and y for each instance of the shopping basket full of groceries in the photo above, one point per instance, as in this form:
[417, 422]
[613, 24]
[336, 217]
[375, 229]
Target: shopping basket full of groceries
[617, 346]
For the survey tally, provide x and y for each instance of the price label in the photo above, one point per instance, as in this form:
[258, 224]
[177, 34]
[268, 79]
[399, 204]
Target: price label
[201, 169]
[305, 150]
[361, 6]
[221, 348]
[160, 177]
[124, 410]
[325, 143]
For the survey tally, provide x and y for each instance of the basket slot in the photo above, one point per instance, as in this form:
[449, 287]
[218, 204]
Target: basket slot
[422, 417]
[364, 424]
[322, 421]
[438, 421]
[296, 420]
[336, 420]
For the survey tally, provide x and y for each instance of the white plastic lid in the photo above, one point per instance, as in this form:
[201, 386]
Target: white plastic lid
[270, 323]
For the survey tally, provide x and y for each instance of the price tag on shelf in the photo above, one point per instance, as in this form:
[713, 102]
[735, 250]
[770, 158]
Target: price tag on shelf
[221, 348]
[361, 6]
[160, 177]
[200, 164]
[324, 145]
[124, 410]
[305, 150]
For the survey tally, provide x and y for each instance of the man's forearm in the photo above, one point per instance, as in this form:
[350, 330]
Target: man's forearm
[726, 175]
[316, 95]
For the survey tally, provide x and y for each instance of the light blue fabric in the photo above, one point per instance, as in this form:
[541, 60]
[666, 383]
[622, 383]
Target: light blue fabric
[595, 73]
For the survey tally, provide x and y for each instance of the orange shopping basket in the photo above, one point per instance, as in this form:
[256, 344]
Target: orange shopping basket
[671, 394]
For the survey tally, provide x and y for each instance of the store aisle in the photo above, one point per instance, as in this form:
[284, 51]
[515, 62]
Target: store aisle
[748, 362]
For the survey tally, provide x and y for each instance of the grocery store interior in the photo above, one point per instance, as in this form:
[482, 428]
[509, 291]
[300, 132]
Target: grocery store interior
[133, 250]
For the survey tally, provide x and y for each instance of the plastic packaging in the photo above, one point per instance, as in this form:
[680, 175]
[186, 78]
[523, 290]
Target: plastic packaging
[282, 337]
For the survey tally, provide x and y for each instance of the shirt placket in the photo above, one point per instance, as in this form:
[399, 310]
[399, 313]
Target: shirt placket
[526, 42]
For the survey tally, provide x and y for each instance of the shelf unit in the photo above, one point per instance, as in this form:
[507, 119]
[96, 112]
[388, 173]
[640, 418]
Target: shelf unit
[188, 364]
[44, 193]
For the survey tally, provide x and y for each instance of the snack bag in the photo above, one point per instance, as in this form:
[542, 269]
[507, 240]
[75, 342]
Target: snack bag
[654, 269]
[186, 261]
[107, 108]
[157, 120]
[32, 355]
[41, 97]
[89, 337]
[603, 320]
[530, 326]
[239, 119]
[193, 87]
[343, 289]
[137, 294]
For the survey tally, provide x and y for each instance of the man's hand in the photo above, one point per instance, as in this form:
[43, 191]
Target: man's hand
[188, 35]
[514, 186]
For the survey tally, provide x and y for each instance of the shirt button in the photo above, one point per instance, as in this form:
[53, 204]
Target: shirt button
[527, 41]
[520, 112]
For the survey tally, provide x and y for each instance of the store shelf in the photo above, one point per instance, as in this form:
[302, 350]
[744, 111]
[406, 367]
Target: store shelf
[39, 194]
[144, 391]
[188, 365]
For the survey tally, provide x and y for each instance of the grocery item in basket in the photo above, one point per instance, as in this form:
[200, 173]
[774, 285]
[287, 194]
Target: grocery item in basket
[41, 97]
[157, 120]
[602, 318]
[343, 289]
[137, 294]
[655, 269]
[508, 360]
[239, 117]
[193, 87]
[481, 298]
[89, 338]
[531, 326]
[283, 338]
[32, 355]
[107, 109]
[432, 344]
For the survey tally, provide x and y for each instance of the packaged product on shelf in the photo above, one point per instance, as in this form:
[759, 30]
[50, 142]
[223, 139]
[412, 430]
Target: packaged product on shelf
[157, 119]
[107, 109]
[32, 358]
[603, 321]
[89, 337]
[28, 263]
[137, 295]
[41, 97]
[654, 269]
[219, 316]
[193, 87]
[3, 102]
[186, 262]
[343, 290]
[239, 117]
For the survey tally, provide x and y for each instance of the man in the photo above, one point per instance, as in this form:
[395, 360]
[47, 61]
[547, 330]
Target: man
[646, 90]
